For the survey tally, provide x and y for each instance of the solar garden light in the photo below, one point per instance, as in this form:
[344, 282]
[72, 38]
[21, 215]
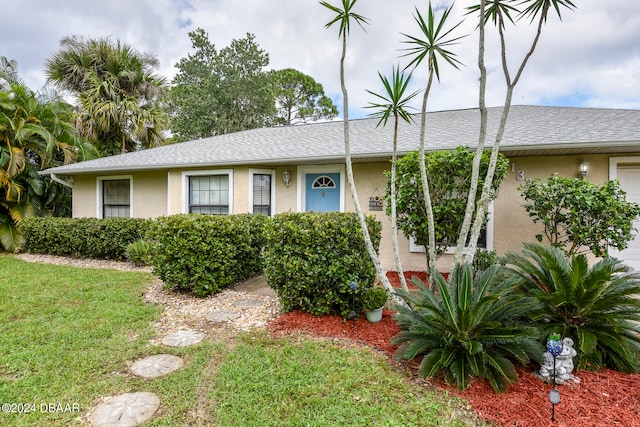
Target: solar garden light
[554, 346]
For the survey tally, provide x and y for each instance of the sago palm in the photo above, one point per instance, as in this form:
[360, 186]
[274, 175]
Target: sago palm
[471, 327]
[598, 306]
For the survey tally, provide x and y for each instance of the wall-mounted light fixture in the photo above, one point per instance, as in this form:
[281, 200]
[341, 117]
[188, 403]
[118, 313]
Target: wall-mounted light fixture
[286, 178]
[584, 169]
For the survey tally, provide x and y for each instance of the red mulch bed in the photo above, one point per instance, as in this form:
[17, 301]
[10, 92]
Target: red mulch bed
[603, 399]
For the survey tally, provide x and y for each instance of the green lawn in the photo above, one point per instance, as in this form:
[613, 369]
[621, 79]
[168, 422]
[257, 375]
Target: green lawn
[67, 336]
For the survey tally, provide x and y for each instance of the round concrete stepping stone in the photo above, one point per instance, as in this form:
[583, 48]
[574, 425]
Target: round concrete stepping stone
[183, 338]
[248, 303]
[156, 366]
[125, 410]
[221, 315]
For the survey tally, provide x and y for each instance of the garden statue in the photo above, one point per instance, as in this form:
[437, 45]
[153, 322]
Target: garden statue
[563, 364]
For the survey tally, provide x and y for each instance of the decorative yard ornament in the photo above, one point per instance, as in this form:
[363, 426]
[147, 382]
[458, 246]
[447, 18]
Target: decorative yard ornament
[557, 366]
[558, 360]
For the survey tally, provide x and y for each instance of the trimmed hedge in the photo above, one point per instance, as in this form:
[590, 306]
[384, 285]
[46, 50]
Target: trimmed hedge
[203, 253]
[82, 237]
[315, 260]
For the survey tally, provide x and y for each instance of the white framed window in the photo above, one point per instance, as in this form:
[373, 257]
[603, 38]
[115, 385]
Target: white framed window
[208, 192]
[262, 191]
[484, 242]
[115, 196]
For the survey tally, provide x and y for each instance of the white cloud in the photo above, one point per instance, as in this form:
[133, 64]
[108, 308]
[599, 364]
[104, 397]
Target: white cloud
[591, 58]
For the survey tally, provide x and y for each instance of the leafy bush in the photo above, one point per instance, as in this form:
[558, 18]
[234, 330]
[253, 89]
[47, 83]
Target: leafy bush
[484, 259]
[311, 259]
[374, 298]
[577, 214]
[203, 253]
[449, 182]
[83, 237]
[470, 327]
[140, 252]
[597, 306]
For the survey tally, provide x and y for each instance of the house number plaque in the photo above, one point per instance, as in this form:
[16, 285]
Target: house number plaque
[375, 201]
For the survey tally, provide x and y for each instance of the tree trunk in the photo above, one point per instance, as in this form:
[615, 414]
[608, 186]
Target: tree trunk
[431, 245]
[352, 187]
[394, 214]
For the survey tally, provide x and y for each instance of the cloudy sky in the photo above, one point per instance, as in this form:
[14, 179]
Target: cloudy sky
[590, 59]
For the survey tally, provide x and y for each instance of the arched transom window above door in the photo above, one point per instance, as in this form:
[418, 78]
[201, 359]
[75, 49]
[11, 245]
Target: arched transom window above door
[323, 181]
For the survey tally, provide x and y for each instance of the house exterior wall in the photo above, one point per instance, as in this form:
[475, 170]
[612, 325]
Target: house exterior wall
[512, 224]
[149, 191]
[161, 193]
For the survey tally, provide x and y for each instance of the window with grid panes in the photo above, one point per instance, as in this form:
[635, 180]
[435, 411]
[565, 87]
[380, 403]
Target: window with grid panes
[116, 198]
[209, 194]
[262, 194]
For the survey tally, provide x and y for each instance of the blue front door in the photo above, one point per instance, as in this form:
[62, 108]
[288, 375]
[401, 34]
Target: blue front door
[322, 191]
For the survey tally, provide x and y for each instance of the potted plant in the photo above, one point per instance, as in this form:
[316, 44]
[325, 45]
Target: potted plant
[373, 300]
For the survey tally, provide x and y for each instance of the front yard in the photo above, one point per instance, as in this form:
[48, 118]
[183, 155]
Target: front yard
[68, 336]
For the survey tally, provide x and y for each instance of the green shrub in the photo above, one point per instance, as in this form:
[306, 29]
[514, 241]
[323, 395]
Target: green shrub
[374, 298]
[203, 253]
[318, 262]
[469, 327]
[484, 259]
[140, 252]
[82, 237]
[597, 306]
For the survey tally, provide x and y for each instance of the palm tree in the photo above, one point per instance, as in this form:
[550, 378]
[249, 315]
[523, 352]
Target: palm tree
[432, 44]
[34, 134]
[344, 16]
[120, 99]
[394, 103]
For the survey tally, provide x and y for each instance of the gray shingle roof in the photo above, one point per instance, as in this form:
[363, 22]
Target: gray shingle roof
[529, 129]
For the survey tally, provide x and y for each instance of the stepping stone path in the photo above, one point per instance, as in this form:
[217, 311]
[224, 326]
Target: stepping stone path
[156, 366]
[248, 303]
[132, 409]
[183, 338]
[125, 410]
[217, 316]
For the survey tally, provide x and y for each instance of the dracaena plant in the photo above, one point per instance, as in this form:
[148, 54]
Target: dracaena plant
[471, 327]
[597, 306]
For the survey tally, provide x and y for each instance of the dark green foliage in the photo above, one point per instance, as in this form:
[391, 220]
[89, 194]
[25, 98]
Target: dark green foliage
[374, 298]
[449, 182]
[469, 327]
[221, 91]
[82, 237]
[484, 259]
[597, 306]
[578, 215]
[312, 258]
[203, 253]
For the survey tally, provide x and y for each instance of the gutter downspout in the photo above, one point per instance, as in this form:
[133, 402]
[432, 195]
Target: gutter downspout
[61, 181]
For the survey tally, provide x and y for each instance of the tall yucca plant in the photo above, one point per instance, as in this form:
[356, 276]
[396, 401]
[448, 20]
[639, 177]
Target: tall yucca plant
[598, 306]
[433, 42]
[468, 328]
[344, 15]
[394, 103]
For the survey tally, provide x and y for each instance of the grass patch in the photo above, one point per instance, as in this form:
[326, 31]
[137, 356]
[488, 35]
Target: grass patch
[269, 381]
[68, 335]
